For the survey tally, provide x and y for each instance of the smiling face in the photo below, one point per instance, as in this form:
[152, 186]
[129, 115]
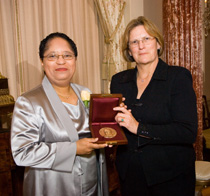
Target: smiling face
[144, 52]
[59, 71]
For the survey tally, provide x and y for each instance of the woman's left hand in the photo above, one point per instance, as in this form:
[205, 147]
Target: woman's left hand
[125, 118]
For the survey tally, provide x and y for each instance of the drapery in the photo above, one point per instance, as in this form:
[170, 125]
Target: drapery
[7, 48]
[111, 16]
[24, 23]
[182, 23]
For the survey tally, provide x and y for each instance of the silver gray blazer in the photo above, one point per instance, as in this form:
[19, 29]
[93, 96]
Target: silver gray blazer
[43, 139]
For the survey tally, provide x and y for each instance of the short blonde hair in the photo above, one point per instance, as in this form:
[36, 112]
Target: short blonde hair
[150, 28]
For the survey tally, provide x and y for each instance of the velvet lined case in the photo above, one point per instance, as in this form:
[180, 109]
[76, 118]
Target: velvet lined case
[102, 119]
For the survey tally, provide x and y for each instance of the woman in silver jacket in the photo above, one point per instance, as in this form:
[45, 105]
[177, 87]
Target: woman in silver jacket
[50, 133]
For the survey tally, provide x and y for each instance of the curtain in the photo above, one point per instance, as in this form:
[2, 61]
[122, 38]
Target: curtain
[26, 22]
[7, 42]
[111, 17]
[182, 27]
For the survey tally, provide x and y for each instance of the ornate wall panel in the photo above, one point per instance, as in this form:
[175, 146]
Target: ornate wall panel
[182, 27]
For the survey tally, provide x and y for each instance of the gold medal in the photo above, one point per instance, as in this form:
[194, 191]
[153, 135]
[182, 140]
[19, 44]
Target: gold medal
[107, 132]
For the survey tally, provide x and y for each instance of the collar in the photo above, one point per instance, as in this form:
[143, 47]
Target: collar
[59, 109]
[159, 74]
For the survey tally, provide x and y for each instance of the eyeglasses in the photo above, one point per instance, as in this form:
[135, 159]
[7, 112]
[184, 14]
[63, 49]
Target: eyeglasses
[144, 40]
[54, 56]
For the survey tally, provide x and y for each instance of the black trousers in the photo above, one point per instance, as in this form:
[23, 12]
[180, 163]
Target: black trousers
[135, 183]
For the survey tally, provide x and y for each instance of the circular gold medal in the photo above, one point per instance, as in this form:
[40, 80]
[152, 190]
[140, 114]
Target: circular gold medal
[107, 132]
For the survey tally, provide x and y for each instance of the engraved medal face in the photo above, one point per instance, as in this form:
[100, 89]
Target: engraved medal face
[107, 132]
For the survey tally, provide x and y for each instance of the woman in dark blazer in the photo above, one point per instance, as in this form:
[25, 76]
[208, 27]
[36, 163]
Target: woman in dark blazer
[160, 120]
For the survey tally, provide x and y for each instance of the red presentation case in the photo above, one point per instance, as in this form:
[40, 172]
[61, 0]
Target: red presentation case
[102, 115]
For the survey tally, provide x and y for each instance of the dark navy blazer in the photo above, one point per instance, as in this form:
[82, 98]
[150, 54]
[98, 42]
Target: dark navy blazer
[167, 117]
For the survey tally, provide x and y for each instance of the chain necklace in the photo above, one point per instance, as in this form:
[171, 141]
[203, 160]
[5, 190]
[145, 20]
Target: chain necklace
[143, 79]
[64, 96]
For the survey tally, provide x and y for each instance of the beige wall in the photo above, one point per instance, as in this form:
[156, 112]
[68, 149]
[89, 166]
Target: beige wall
[133, 9]
[153, 11]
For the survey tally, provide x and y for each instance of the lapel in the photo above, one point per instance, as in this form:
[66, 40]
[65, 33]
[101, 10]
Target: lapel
[60, 110]
[161, 71]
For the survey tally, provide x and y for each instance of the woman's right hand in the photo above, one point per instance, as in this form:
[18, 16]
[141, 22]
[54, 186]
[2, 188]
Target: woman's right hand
[87, 145]
[125, 118]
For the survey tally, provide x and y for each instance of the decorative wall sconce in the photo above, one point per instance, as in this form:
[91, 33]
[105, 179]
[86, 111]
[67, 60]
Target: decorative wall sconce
[206, 17]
